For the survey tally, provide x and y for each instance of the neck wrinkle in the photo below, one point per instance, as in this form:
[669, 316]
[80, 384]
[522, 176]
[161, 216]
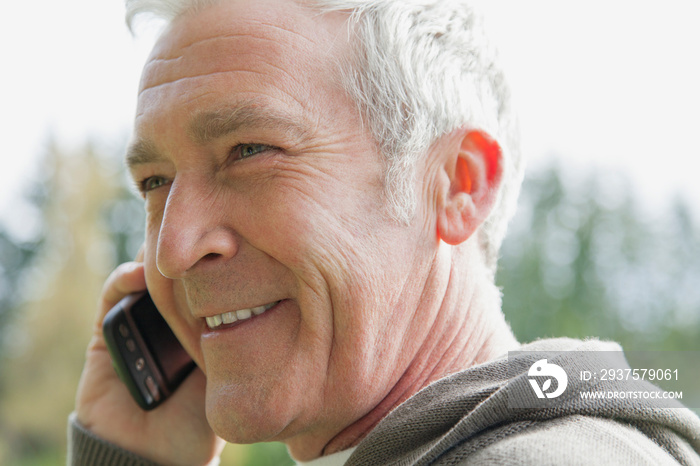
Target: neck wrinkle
[402, 390]
[447, 348]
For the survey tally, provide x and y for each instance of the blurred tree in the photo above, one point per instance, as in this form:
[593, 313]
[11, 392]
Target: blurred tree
[124, 218]
[21, 237]
[15, 259]
[60, 295]
[581, 259]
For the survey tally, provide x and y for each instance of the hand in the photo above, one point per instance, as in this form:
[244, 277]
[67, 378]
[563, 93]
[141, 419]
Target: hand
[176, 432]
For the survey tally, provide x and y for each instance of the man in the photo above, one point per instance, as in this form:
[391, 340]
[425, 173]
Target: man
[326, 188]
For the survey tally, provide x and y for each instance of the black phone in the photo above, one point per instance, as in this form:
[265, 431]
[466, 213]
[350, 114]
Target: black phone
[145, 352]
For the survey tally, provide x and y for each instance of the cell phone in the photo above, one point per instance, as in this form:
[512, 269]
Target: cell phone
[145, 352]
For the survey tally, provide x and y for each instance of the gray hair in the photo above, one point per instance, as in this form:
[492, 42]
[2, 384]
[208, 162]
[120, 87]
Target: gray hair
[419, 70]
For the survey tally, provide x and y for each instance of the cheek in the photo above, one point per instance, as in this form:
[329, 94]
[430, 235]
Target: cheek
[310, 234]
[154, 218]
[152, 231]
[154, 207]
[286, 214]
[331, 202]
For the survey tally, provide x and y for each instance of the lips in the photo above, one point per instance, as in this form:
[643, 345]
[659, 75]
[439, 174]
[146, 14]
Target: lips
[216, 321]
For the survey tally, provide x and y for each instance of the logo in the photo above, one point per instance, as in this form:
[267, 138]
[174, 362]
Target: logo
[543, 369]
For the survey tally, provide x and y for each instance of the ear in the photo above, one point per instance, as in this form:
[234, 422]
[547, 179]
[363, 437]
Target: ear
[474, 168]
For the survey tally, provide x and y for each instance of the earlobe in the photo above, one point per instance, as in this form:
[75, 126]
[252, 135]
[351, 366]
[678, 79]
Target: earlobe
[473, 167]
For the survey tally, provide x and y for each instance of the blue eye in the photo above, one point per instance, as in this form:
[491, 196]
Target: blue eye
[152, 182]
[248, 150]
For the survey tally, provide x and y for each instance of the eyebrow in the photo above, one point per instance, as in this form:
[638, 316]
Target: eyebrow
[208, 126]
[141, 152]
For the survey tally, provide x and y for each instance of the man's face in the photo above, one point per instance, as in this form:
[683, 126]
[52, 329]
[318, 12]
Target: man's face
[264, 192]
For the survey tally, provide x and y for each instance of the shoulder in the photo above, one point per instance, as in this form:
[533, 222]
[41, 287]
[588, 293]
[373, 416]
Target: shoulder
[575, 439]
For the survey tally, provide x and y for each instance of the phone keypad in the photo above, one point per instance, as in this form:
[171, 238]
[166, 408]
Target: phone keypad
[131, 345]
[153, 388]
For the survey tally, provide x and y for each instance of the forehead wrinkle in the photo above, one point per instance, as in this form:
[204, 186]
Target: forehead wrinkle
[196, 76]
[202, 41]
[271, 29]
[284, 30]
[162, 70]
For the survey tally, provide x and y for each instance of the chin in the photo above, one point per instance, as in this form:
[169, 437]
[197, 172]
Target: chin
[248, 416]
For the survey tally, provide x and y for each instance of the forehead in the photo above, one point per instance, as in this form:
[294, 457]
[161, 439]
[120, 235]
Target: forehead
[274, 49]
[235, 27]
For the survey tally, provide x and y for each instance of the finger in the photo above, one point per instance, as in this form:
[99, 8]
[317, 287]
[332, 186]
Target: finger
[140, 253]
[125, 279]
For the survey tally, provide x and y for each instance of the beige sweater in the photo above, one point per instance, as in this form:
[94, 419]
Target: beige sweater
[465, 419]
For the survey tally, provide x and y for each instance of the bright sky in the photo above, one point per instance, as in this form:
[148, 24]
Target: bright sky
[608, 83]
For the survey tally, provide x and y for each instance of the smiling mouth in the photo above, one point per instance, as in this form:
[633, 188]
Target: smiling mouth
[214, 322]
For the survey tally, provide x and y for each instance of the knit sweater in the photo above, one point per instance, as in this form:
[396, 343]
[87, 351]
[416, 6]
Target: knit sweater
[465, 418]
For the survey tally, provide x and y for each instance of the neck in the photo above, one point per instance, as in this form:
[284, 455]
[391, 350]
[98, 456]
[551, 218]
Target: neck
[468, 329]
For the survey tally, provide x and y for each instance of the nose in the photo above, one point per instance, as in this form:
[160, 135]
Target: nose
[193, 230]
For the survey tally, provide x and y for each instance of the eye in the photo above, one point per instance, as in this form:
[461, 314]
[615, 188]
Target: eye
[242, 151]
[151, 183]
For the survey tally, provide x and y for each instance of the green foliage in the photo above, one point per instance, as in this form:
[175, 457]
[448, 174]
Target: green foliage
[124, 217]
[31, 450]
[16, 259]
[582, 260]
[259, 454]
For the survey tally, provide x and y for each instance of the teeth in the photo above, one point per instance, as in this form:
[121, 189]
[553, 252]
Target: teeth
[214, 321]
[233, 316]
[229, 317]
